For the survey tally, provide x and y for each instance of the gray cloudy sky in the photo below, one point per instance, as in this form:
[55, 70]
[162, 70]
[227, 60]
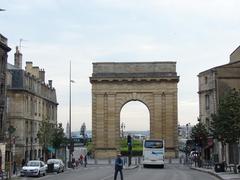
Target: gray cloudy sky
[197, 34]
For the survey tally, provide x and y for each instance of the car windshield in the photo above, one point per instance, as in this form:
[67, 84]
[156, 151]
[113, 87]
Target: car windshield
[33, 163]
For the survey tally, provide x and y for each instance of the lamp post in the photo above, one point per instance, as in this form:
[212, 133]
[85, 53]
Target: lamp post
[70, 123]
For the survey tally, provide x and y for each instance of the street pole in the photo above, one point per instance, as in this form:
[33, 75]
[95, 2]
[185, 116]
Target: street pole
[70, 133]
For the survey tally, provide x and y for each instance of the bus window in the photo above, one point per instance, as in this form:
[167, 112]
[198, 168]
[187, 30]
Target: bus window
[153, 144]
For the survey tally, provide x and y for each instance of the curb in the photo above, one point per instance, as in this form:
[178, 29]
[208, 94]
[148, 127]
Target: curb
[209, 172]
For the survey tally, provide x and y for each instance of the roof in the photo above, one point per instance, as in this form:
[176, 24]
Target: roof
[216, 67]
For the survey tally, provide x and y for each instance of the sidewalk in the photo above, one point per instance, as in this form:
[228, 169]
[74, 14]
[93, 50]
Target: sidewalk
[220, 175]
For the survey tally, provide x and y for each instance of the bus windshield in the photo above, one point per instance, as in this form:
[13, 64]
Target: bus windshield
[153, 144]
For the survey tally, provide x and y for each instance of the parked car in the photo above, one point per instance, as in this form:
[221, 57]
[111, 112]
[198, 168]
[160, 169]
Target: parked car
[34, 168]
[57, 165]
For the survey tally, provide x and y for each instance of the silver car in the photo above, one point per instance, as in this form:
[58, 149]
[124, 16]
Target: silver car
[34, 168]
[58, 165]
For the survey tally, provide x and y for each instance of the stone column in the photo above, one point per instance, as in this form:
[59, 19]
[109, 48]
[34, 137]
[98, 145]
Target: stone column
[156, 122]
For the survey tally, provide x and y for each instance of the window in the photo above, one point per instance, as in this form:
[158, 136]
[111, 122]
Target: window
[207, 101]
[206, 79]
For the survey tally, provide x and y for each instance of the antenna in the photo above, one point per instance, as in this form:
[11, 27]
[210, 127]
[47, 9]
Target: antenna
[20, 43]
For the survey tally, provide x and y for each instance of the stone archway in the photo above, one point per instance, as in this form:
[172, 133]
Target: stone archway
[115, 84]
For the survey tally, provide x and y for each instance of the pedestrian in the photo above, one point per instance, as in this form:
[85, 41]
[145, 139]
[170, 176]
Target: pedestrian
[73, 163]
[118, 167]
[81, 159]
[23, 162]
[14, 167]
[85, 160]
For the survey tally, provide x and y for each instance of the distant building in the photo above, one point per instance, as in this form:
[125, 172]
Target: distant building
[30, 101]
[212, 85]
[4, 49]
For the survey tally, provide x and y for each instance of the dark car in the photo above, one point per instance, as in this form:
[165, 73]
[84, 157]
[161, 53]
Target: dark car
[55, 165]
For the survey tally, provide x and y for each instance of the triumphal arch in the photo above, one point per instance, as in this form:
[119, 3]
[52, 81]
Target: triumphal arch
[115, 84]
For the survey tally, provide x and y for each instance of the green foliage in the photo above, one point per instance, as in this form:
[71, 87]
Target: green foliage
[44, 133]
[58, 137]
[200, 134]
[225, 124]
[137, 147]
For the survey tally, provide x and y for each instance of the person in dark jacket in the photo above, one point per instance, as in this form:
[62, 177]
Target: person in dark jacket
[118, 167]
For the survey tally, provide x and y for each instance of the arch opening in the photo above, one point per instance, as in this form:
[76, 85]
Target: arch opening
[134, 119]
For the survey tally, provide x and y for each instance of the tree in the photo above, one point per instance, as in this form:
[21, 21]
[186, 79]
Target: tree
[200, 134]
[58, 137]
[225, 125]
[44, 134]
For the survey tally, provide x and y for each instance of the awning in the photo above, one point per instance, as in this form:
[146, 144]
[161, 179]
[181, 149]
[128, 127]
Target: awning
[50, 149]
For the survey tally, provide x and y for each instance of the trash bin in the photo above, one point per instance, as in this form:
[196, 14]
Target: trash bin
[50, 167]
[219, 167]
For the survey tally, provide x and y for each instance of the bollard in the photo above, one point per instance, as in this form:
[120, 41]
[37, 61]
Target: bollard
[180, 160]
[109, 160]
[170, 160]
[95, 161]
[124, 160]
[135, 161]
[139, 160]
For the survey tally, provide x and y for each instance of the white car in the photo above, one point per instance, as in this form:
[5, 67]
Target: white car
[34, 168]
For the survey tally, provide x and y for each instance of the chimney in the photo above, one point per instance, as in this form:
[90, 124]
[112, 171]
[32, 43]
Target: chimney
[18, 58]
[50, 83]
[28, 67]
[42, 75]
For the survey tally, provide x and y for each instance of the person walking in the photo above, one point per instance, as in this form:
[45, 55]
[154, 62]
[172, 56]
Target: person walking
[118, 167]
[85, 161]
[81, 159]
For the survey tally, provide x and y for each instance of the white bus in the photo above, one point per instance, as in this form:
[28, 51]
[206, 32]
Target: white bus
[153, 152]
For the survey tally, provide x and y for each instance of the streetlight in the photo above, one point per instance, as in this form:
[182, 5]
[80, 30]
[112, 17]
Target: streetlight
[70, 113]
[122, 128]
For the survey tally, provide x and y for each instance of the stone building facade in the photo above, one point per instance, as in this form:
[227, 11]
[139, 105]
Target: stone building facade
[4, 49]
[212, 85]
[115, 84]
[30, 101]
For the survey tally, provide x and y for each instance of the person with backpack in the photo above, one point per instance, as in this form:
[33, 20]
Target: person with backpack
[118, 167]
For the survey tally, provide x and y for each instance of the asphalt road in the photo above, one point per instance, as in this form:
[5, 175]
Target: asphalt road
[105, 172]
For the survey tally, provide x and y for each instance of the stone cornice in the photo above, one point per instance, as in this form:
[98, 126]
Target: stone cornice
[110, 79]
